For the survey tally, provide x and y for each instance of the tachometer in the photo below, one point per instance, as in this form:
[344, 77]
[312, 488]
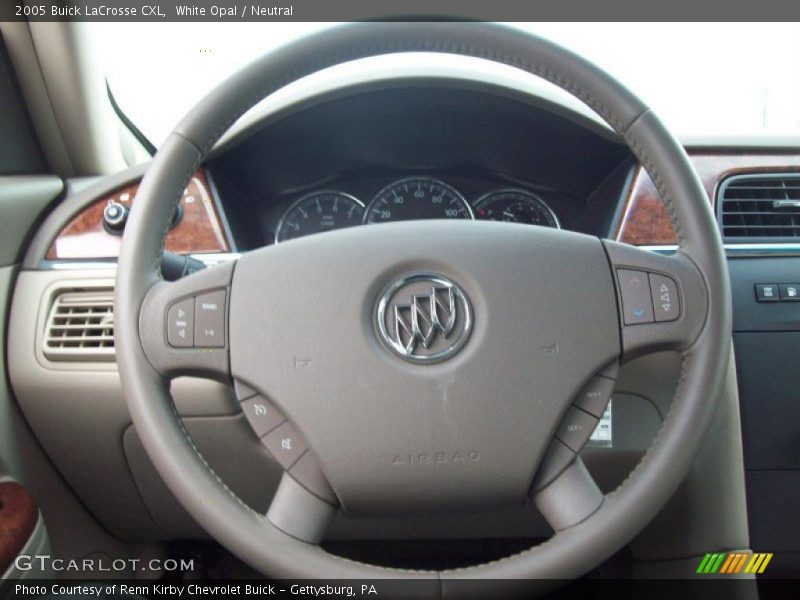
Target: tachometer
[417, 198]
[318, 212]
[516, 206]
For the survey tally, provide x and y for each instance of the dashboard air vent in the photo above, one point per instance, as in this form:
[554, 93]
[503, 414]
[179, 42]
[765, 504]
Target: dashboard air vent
[760, 207]
[80, 326]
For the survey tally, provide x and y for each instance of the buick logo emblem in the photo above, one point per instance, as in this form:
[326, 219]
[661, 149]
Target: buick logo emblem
[423, 318]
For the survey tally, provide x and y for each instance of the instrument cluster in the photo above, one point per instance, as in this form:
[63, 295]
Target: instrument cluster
[409, 199]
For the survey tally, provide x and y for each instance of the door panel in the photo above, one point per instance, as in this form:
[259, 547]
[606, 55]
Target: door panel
[73, 532]
[23, 200]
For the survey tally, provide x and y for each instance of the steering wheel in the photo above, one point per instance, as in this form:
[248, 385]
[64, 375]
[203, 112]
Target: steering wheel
[426, 366]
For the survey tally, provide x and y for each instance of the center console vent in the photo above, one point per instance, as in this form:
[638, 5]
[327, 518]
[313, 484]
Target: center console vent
[760, 208]
[80, 326]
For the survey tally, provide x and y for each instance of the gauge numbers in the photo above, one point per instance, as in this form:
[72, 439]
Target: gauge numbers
[318, 212]
[516, 206]
[417, 198]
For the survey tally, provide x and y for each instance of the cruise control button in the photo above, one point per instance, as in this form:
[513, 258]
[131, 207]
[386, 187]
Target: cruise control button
[262, 414]
[576, 428]
[666, 302]
[637, 306]
[308, 473]
[790, 292]
[595, 396]
[180, 324]
[285, 444]
[209, 320]
[557, 458]
[767, 292]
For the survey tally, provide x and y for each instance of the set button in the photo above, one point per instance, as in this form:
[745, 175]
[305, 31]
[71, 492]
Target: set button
[576, 428]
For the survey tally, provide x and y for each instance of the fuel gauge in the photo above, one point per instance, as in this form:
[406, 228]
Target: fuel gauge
[516, 206]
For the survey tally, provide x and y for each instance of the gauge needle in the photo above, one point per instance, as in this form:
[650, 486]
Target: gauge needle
[510, 215]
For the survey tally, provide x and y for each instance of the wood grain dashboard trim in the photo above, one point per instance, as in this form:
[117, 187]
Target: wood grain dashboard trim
[18, 517]
[645, 221]
[200, 231]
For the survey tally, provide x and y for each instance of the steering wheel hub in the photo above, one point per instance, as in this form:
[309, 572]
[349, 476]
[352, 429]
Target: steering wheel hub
[423, 317]
[360, 407]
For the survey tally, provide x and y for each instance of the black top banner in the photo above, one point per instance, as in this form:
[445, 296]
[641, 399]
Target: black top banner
[407, 10]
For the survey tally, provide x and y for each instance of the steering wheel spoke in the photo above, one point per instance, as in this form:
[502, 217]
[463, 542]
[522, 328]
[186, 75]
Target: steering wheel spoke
[183, 324]
[284, 442]
[570, 498]
[298, 512]
[662, 299]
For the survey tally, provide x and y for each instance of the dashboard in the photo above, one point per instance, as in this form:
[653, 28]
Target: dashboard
[409, 152]
[96, 231]
[416, 152]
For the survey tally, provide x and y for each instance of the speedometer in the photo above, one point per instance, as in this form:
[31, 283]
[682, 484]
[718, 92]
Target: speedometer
[417, 198]
[516, 206]
[318, 212]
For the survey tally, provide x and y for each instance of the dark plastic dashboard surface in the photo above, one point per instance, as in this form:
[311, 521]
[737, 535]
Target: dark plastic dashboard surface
[474, 142]
[766, 339]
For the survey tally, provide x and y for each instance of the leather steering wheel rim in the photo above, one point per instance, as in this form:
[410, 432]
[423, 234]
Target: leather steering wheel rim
[577, 547]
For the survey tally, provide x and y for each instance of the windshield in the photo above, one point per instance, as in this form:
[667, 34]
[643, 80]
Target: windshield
[702, 79]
